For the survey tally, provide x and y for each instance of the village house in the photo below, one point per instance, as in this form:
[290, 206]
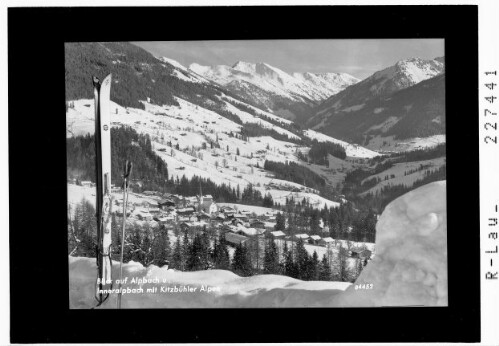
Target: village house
[165, 203]
[216, 220]
[241, 217]
[278, 234]
[227, 210]
[119, 212]
[86, 183]
[142, 215]
[248, 231]
[185, 214]
[184, 226]
[363, 254]
[314, 239]
[202, 216]
[270, 226]
[148, 204]
[154, 210]
[328, 241]
[257, 224]
[235, 239]
[300, 236]
[165, 220]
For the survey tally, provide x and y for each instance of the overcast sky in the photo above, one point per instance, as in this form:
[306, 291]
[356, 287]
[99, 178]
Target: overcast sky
[360, 58]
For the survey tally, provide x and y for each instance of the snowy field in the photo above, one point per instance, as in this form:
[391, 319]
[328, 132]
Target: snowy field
[410, 269]
[389, 144]
[398, 171]
[192, 128]
[352, 150]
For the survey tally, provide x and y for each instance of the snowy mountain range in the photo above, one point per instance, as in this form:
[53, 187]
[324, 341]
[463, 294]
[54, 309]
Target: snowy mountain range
[290, 95]
[183, 112]
[339, 114]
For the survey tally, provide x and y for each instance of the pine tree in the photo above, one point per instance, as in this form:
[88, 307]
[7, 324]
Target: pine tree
[314, 267]
[302, 260]
[161, 248]
[271, 258]
[280, 224]
[324, 269]
[185, 250]
[195, 259]
[342, 264]
[290, 268]
[221, 254]
[177, 261]
[241, 263]
[146, 247]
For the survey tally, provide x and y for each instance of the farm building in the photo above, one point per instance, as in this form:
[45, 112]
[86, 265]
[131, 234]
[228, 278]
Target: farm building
[235, 239]
[301, 236]
[278, 234]
[314, 239]
[360, 253]
[257, 224]
[203, 216]
[165, 203]
[326, 241]
[186, 211]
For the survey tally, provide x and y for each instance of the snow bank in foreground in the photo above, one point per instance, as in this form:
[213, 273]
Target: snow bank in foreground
[410, 267]
[222, 288]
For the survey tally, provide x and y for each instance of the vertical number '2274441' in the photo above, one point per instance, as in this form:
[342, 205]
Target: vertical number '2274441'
[489, 125]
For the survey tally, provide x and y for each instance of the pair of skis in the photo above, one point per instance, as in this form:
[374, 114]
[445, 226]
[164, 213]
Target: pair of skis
[104, 198]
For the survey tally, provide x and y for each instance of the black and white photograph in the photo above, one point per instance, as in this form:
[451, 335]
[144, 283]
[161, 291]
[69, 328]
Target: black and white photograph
[206, 173]
[256, 173]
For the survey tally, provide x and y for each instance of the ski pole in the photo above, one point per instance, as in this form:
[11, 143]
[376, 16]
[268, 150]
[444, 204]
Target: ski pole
[127, 171]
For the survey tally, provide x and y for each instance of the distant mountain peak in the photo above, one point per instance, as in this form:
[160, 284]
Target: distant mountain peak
[172, 62]
[352, 107]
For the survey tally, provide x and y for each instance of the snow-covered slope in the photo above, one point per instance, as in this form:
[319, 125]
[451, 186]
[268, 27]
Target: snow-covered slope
[351, 150]
[192, 128]
[379, 104]
[327, 84]
[273, 80]
[403, 74]
[409, 269]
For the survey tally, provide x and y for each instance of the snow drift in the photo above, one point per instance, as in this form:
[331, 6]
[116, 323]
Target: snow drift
[410, 269]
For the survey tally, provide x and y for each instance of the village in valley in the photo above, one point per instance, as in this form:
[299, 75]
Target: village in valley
[237, 224]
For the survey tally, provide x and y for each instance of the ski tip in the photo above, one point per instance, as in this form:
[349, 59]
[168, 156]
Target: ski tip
[107, 79]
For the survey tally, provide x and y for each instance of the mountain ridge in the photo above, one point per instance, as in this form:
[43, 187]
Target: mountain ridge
[290, 95]
[330, 116]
